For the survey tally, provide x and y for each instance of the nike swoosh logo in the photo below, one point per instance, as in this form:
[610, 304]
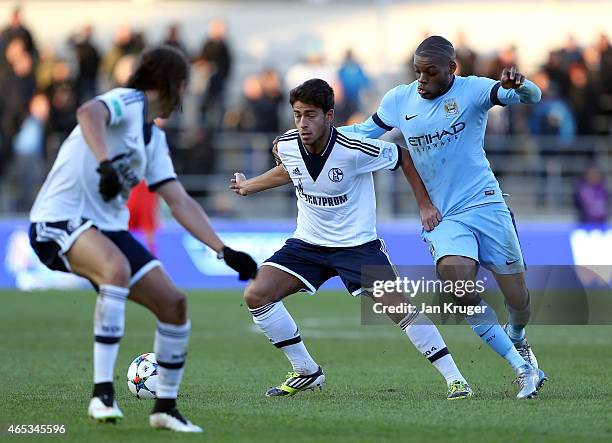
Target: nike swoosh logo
[511, 262]
[410, 118]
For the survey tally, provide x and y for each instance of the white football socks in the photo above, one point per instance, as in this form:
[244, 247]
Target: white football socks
[427, 339]
[277, 324]
[109, 322]
[170, 350]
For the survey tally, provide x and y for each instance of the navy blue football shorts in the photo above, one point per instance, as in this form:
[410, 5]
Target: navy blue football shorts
[314, 265]
[51, 241]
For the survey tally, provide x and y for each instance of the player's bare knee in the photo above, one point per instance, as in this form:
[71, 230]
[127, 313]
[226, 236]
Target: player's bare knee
[254, 297]
[456, 268]
[174, 309]
[117, 272]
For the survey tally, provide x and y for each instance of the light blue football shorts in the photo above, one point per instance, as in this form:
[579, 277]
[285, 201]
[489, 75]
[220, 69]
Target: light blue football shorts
[485, 233]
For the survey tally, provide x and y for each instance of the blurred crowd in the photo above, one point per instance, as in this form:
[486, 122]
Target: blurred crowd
[40, 93]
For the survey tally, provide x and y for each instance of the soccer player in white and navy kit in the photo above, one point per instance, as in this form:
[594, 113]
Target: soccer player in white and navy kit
[79, 224]
[335, 235]
[443, 119]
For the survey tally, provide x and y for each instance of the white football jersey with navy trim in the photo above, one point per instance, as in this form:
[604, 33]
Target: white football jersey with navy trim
[71, 188]
[335, 189]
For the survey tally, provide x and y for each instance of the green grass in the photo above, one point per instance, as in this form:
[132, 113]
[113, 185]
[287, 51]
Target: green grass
[378, 386]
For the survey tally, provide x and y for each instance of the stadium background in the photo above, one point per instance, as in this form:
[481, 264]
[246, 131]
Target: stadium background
[552, 158]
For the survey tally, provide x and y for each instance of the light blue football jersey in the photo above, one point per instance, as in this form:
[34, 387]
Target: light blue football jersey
[445, 137]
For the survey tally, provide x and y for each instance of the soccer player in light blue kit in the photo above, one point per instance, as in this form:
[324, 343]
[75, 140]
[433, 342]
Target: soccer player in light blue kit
[443, 119]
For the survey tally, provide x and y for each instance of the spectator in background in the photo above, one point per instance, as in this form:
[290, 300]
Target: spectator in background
[262, 98]
[571, 53]
[552, 119]
[173, 38]
[174, 123]
[605, 54]
[592, 64]
[17, 30]
[605, 73]
[62, 97]
[29, 151]
[314, 65]
[272, 89]
[583, 99]
[123, 44]
[354, 81]
[44, 69]
[504, 58]
[217, 58]
[17, 86]
[88, 59]
[592, 197]
[557, 75]
[123, 70]
[466, 57]
[138, 43]
[551, 116]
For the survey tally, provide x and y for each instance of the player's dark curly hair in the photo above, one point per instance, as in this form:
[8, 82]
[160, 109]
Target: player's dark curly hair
[161, 68]
[436, 47]
[314, 92]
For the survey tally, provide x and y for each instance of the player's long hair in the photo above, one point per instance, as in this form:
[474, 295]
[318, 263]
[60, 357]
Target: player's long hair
[314, 92]
[164, 69]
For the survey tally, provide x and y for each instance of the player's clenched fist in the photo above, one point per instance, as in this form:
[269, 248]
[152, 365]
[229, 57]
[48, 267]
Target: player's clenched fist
[511, 78]
[109, 185]
[430, 217]
[240, 262]
[237, 184]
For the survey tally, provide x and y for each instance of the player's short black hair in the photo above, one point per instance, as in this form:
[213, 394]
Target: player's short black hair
[436, 47]
[161, 68]
[314, 92]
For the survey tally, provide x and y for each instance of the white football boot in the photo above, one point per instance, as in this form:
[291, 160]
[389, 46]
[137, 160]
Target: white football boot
[99, 411]
[527, 377]
[172, 420]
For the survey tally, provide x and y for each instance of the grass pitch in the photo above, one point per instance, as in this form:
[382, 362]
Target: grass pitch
[379, 388]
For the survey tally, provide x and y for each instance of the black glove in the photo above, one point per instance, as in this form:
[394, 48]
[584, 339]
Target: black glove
[239, 262]
[109, 185]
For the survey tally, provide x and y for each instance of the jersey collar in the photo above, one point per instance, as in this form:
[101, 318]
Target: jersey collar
[315, 162]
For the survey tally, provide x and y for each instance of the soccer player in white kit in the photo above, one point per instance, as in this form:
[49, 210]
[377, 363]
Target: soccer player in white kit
[335, 235]
[79, 224]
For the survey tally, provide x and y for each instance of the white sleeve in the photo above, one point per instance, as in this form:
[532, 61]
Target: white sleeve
[159, 164]
[123, 105]
[374, 155]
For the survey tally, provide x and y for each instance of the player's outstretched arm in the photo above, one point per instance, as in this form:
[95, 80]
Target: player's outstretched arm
[368, 128]
[273, 178]
[430, 216]
[518, 87]
[193, 218]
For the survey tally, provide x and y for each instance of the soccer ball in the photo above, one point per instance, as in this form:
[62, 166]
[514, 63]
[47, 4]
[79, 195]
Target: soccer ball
[142, 376]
